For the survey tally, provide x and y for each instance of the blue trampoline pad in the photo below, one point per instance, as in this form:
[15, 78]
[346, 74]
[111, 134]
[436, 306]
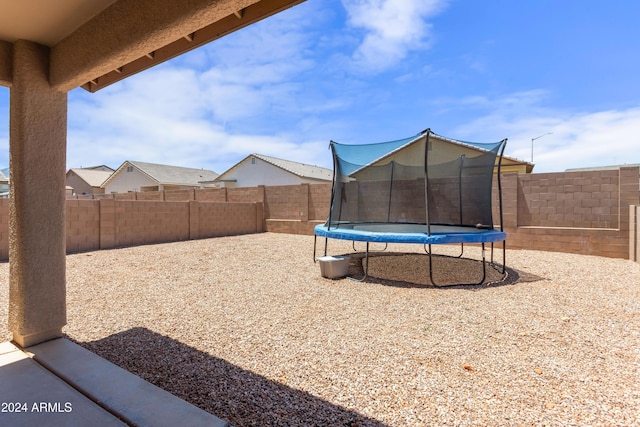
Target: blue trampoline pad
[410, 233]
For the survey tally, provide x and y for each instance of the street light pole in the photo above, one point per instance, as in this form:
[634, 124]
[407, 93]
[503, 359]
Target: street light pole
[533, 139]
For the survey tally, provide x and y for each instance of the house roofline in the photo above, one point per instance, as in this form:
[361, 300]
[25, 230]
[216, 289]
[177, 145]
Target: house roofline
[267, 159]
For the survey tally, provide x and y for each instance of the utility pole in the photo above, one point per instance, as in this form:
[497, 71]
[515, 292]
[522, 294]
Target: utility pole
[533, 139]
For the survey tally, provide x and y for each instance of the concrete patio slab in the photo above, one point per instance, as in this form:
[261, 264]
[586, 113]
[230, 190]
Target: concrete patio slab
[30, 395]
[130, 397]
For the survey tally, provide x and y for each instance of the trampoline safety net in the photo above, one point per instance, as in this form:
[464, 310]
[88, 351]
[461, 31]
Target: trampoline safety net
[424, 180]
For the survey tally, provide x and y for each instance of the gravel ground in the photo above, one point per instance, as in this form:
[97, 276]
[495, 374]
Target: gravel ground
[245, 328]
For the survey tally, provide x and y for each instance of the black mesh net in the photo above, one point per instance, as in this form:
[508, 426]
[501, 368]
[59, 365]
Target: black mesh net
[426, 179]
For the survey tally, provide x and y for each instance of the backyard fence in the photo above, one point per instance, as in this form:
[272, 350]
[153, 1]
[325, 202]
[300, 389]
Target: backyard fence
[585, 212]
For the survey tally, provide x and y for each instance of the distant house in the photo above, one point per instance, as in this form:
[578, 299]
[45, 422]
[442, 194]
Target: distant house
[4, 183]
[258, 169]
[412, 154]
[603, 168]
[134, 176]
[88, 180]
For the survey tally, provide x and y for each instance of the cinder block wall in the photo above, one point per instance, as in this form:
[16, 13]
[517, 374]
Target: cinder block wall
[587, 212]
[150, 195]
[126, 220]
[83, 225]
[287, 202]
[287, 207]
[579, 212]
[224, 219]
[634, 233]
[246, 194]
[594, 213]
[140, 222]
[211, 195]
[589, 200]
[178, 195]
[319, 200]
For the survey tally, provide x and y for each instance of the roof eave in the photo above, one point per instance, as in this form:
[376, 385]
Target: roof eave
[129, 37]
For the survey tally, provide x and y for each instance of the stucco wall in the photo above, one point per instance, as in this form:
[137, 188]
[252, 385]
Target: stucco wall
[125, 181]
[79, 185]
[248, 174]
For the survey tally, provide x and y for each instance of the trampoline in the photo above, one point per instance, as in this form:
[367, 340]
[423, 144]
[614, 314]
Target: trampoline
[425, 189]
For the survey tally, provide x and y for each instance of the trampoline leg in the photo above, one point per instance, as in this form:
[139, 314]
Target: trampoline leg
[484, 271]
[431, 268]
[366, 267]
[504, 256]
[315, 244]
[493, 264]
[315, 240]
[366, 263]
[353, 245]
[459, 256]
[491, 252]
[484, 266]
[502, 271]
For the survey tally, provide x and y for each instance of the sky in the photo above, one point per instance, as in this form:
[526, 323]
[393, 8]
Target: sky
[564, 74]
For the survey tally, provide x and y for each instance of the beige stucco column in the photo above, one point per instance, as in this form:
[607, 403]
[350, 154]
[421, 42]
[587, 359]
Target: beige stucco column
[37, 147]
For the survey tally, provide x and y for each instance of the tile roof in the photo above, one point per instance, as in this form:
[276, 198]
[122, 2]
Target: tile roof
[93, 177]
[179, 175]
[300, 169]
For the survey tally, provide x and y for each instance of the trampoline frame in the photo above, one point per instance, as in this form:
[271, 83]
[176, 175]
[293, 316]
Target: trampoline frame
[464, 235]
[427, 234]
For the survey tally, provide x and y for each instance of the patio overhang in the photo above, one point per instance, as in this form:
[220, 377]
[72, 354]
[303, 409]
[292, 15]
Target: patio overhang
[46, 50]
[94, 44]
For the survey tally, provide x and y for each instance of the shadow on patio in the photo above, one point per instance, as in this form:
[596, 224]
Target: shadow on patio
[237, 395]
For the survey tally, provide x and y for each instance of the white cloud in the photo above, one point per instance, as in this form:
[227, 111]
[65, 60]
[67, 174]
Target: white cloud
[268, 89]
[594, 139]
[577, 139]
[392, 29]
[122, 127]
[183, 113]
